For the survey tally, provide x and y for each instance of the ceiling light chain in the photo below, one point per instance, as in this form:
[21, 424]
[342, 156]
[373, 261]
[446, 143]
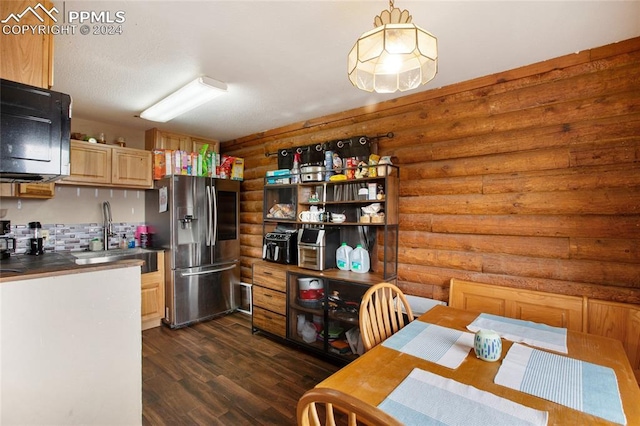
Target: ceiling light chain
[395, 55]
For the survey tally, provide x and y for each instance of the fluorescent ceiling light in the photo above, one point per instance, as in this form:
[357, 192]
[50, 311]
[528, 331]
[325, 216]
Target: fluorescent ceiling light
[194, 94]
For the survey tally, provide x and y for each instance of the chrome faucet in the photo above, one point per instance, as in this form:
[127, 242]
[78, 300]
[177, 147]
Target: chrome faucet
[107, 230]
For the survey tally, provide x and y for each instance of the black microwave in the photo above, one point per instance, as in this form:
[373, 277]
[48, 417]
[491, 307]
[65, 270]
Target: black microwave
[35, 133]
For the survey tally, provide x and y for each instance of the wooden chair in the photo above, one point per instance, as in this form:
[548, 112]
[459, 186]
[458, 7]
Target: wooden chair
[341, 408]
[381, 313]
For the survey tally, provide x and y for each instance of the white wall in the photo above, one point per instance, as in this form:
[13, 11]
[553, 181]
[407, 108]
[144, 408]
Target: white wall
[133, 138]
[71, 349]
[76, 204]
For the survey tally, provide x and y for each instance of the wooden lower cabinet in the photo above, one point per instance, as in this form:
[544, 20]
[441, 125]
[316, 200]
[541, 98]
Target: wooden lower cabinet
[278, 309]
[152, 296]
[269, 299]
[270, 322]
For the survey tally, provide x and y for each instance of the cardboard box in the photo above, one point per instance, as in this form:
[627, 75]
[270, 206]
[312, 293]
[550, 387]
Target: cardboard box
[161, 167]
[237, 169]
[278, 176]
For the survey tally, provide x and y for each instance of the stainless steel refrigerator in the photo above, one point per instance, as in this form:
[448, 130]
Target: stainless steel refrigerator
[196, 220]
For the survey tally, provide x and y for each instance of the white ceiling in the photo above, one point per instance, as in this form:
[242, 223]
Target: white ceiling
[285, 61]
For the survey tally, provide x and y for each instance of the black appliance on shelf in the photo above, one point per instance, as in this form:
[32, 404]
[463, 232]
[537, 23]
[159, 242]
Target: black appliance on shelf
[281, 247]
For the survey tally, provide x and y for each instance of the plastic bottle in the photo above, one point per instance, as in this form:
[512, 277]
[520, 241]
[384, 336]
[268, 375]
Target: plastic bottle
[359, 260]
[295, 171]
[342, 257]
[123, 242]
[328, 165]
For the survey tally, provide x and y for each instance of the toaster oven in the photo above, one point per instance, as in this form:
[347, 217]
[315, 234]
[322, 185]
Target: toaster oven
[317, 248]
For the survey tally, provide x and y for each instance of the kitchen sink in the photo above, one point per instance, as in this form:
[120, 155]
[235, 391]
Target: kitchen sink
[150, 257]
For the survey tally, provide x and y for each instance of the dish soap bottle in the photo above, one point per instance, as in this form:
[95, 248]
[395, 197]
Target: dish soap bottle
[123, 241]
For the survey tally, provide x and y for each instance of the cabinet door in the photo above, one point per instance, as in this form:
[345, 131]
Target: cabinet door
[274, 301]
[151, 307]
[198, 143]
[26, 58]
[36, 190]
[270, 277]
[90, 163]
[175, 141]
[152, 296]
[131, 167]
[7, 190]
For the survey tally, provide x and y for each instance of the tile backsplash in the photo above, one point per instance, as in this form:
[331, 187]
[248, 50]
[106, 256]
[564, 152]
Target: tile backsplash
[70, 237]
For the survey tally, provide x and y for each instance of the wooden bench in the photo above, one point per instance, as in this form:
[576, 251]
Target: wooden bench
[620, 321]
[548, 308]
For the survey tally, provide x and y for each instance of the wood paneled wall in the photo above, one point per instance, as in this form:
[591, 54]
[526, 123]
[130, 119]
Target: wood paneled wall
[529, 178]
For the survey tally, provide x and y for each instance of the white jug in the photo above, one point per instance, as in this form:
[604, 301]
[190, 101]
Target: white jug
[359, 260]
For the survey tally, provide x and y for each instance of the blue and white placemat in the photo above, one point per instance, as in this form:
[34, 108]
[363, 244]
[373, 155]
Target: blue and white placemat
[580, 385]
[531, 333]
[442, 345]
[424, 398]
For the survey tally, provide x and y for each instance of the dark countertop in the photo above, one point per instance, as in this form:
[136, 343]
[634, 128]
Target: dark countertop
[24, 266]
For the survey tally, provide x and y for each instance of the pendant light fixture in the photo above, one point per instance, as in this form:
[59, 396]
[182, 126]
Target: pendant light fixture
[395, 55]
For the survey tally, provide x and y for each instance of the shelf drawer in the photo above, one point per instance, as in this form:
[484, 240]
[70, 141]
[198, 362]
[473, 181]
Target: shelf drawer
[268, 321]
[273, 278]
[269, 299]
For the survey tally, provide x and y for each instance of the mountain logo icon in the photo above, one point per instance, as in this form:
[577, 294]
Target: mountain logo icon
[33, 10]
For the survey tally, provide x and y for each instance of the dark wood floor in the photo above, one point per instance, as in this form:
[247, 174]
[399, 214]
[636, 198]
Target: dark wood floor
[219, 373]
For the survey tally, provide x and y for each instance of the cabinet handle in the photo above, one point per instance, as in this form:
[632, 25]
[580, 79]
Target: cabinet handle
[267, 273]
[267, 295]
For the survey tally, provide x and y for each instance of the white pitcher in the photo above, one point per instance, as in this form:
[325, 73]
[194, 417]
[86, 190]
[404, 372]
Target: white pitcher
[488, 345]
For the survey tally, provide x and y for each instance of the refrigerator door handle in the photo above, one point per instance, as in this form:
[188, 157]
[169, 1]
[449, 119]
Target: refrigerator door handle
[209, 271]
[209, 217]
[214, 234]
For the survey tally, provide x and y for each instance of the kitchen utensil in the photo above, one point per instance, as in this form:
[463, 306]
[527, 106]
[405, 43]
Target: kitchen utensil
[305, 216]
[310, 288]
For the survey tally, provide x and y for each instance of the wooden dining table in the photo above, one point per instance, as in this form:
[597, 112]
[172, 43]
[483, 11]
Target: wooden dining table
[375, 374]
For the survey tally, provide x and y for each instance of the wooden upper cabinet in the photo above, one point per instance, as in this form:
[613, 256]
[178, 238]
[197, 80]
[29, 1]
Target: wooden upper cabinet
[103, 165]
[26, 58]
[198, 143]
[90, 163]
[156, 139]
[131, 167]
[159, 139]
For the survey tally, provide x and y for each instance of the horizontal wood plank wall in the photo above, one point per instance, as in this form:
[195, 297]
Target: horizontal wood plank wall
[529, 178]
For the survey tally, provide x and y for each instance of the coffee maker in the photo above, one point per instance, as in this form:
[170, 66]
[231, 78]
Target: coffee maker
[7, 244]
[36, 246]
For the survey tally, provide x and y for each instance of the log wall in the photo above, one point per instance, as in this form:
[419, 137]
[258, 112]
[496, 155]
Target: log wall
[529, 178]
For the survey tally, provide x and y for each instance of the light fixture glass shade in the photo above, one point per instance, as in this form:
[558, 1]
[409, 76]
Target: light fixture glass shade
[194, 94]
[392, 57]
